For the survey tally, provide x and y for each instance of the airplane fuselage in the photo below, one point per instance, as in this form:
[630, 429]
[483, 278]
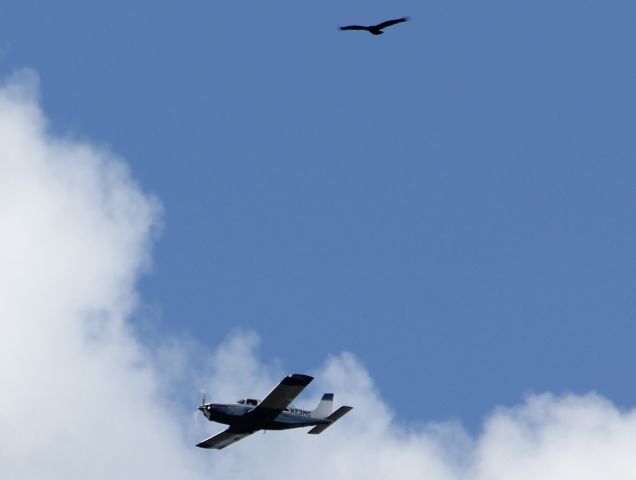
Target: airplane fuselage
[235, 416]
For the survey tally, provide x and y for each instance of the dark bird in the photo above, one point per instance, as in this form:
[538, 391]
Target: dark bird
[376, 29]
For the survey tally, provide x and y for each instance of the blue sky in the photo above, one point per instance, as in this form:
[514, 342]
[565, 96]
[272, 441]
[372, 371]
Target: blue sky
[452, 202]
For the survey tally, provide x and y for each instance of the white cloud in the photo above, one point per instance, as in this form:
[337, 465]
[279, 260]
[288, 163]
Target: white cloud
[81, 397]
[78, 395]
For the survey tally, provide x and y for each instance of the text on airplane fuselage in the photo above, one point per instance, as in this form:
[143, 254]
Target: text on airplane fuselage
[298, 411]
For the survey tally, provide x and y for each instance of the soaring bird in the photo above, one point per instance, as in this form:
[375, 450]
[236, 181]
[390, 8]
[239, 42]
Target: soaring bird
[375, 29]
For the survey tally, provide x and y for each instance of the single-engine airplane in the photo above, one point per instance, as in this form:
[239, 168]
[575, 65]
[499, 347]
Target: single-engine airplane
[273, 413]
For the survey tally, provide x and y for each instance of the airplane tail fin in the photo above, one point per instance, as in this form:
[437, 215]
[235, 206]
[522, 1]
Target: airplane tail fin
[325, 406]
[332, 418]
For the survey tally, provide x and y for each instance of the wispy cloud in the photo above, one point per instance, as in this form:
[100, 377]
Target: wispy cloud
[82, 397]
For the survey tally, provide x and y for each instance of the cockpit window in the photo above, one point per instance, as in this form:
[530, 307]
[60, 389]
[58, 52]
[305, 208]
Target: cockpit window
[251, 401]
[241, 402]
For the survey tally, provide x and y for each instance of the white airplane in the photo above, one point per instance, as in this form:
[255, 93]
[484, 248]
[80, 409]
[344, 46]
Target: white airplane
[273, 413]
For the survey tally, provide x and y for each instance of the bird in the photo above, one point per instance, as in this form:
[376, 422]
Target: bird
[375, 29]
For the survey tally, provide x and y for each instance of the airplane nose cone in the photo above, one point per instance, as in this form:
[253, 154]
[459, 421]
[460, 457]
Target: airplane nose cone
[206, 410]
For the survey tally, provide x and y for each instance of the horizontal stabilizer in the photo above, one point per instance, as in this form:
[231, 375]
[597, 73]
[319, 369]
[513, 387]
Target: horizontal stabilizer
[332, 418]
[223, 439]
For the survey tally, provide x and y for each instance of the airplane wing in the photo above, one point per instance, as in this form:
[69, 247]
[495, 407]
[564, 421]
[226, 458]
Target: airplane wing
[280, 398]
[223, 439]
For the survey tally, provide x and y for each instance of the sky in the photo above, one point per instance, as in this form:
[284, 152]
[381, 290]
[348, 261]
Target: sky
[438, 224]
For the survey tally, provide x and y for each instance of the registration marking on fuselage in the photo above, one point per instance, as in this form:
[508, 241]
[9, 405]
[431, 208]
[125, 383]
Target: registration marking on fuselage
[298, 411]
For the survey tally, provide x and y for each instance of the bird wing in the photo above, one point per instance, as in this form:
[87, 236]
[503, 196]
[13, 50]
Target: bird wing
[388, 23]
[354, 27]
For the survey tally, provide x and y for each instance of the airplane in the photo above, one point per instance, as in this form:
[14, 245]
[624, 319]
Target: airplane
[273, 413]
